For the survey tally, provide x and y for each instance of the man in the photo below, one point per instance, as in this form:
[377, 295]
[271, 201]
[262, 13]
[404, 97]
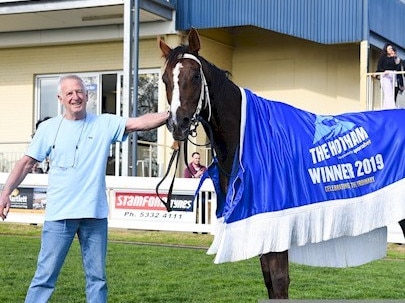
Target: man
[194, 169]
[77, 145]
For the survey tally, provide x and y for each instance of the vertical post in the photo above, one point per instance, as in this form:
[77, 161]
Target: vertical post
[364, 57]
[363, 73]
[135, 67]
[127, 78]
[150, 160]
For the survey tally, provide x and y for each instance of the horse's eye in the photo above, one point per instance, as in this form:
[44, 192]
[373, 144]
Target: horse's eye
[197, 76]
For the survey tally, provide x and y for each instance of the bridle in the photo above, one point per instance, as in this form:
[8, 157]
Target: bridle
[196, 119]
[204, 93]
[204, 102]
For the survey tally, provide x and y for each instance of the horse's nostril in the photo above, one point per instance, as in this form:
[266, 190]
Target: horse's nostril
[185, 123]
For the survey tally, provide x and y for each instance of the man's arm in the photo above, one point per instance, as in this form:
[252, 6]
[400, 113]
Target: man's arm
[146, 122]
[17, 175]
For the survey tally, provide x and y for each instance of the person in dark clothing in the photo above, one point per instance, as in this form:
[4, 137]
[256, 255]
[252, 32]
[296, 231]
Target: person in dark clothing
[388, 63]
[399, 87]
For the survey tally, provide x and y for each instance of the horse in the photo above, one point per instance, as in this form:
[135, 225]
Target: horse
[198, 91]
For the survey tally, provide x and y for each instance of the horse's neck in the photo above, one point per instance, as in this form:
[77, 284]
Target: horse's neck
[225, 122]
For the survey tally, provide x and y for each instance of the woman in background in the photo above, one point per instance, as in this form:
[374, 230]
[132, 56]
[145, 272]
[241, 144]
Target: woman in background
[388, 63]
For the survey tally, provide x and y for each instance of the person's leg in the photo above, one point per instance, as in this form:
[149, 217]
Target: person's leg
[57, 236]
[93, 243]
[387, 86]
[396, 94]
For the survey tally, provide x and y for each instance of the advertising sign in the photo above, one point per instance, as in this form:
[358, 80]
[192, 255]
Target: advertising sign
[28, 198]
[22, 198]
[39, 201]
[147, 206]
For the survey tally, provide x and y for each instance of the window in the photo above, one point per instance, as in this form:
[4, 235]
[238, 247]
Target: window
[105, 96]
[47, 101]
[147, 102]
[48, 105]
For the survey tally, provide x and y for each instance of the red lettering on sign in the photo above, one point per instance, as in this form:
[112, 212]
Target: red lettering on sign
[143, 201]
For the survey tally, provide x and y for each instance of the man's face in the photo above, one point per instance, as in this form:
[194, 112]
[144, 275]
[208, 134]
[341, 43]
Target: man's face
[73, 96]
[196, 159]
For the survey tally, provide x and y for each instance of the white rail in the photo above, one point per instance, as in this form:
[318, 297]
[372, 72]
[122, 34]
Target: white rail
[132, 202]
[375, 94]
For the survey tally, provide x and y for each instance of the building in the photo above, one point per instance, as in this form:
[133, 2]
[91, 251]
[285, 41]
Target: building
[313, 54]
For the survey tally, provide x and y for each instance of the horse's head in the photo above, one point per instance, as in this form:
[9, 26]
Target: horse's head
[185, 85]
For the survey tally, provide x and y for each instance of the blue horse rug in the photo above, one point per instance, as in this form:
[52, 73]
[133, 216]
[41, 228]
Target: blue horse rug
[323, 187]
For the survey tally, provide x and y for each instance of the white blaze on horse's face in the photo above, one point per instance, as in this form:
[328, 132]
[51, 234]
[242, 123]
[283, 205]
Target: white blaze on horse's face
[185, 83]
[176, 92]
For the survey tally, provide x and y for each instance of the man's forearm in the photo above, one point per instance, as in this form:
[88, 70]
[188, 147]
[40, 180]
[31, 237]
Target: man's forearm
[16, 176]
[146, 122]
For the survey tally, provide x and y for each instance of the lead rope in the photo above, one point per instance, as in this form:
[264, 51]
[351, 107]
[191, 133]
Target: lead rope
[167, 204]
[176, 153]
[186, 157]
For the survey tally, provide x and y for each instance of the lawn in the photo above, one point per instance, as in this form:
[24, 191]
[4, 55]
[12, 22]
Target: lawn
[147, 266]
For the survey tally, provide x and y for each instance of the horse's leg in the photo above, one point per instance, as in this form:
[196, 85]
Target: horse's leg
[275, 273]
[402, 224]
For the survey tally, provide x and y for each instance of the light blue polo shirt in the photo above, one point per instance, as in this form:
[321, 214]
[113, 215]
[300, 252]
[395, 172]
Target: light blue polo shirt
[76, 182]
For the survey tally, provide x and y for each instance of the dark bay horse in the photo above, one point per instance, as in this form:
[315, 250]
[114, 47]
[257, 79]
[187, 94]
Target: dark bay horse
[197, 89]
[225, 97]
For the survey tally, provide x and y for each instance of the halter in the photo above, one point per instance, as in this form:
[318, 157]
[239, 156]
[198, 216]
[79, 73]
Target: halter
[204, 94]
[197, 118]
[204, 98]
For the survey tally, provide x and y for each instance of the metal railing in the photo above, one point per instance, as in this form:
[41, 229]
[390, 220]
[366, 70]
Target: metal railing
[147, 165]
[8, 160]
[375, 93]
[147, 162]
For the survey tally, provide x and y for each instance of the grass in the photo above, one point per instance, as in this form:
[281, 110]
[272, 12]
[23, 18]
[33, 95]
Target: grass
[139, 269]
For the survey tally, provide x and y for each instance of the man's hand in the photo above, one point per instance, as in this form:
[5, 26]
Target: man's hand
[5, 204]
[199, 173]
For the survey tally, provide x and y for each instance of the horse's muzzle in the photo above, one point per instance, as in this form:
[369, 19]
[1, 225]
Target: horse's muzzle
[179, 131]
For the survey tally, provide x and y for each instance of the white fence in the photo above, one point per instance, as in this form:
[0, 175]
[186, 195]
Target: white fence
[133, 203]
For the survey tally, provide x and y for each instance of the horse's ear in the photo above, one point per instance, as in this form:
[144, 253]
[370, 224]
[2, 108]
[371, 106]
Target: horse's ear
[164, 47]
[193, 40]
